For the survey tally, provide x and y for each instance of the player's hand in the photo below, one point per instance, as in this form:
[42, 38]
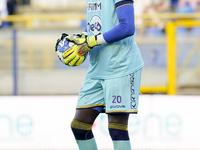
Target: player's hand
[81, 35]
[77, 53]
[83, 44]
[61, 38]
[72, 58]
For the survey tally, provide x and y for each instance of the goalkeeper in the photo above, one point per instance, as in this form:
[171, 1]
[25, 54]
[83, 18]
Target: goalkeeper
[112, 82]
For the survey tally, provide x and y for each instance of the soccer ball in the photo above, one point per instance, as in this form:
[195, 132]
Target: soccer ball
[64, 45]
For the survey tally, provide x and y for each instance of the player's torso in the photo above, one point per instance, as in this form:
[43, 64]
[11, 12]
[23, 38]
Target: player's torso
[109, 60]
[101, 16]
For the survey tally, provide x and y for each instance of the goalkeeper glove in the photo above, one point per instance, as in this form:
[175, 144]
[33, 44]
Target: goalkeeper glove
[81, 35]
[76, 54]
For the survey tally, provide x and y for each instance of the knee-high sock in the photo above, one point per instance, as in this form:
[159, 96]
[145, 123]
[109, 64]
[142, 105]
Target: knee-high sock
[119, 135]
[83, 135]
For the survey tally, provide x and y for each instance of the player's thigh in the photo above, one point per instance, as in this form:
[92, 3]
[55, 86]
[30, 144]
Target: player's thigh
[118, 118]
[91, 94]
[122, 94]
[86, 115]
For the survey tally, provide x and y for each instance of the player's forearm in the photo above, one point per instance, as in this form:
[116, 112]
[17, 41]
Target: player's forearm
[126, 27]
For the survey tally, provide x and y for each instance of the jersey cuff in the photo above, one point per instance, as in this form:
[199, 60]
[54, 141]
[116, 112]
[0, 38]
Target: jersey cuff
[100, 39]
[85, 33]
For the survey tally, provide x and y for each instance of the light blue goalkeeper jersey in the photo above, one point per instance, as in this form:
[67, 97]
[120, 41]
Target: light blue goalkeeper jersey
[110, 60]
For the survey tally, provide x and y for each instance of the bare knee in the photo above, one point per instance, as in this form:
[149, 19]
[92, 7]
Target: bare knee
[118, 126]
[118, 118]
[86, 115]
[81, 131]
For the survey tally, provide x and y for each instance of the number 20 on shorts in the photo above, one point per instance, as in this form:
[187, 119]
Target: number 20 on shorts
[117, 99]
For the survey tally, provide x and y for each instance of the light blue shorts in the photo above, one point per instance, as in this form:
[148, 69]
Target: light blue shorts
[117, 95]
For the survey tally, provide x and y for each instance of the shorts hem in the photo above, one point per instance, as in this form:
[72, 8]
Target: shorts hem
[89, 106]
[122, 112]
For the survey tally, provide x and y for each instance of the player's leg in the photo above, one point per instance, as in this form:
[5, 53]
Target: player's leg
[118, 129]
[121, 99]
[82, 128]
[90, 104]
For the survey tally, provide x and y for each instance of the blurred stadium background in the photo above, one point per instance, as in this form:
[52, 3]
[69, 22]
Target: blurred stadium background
[38, 93]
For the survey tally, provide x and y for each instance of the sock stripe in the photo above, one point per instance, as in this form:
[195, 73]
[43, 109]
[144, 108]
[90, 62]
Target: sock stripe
[88, 133]
[82, 134]
[118, 126]
[80, 125]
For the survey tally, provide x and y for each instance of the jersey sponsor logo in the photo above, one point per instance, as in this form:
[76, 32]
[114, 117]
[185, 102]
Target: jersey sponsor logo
[94, 6]
[95, 25]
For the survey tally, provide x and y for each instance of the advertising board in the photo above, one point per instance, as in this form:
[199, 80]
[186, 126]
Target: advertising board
[43, 122]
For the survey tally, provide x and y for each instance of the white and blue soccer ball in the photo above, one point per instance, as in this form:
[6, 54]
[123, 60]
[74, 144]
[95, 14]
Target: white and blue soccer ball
[63, 45]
